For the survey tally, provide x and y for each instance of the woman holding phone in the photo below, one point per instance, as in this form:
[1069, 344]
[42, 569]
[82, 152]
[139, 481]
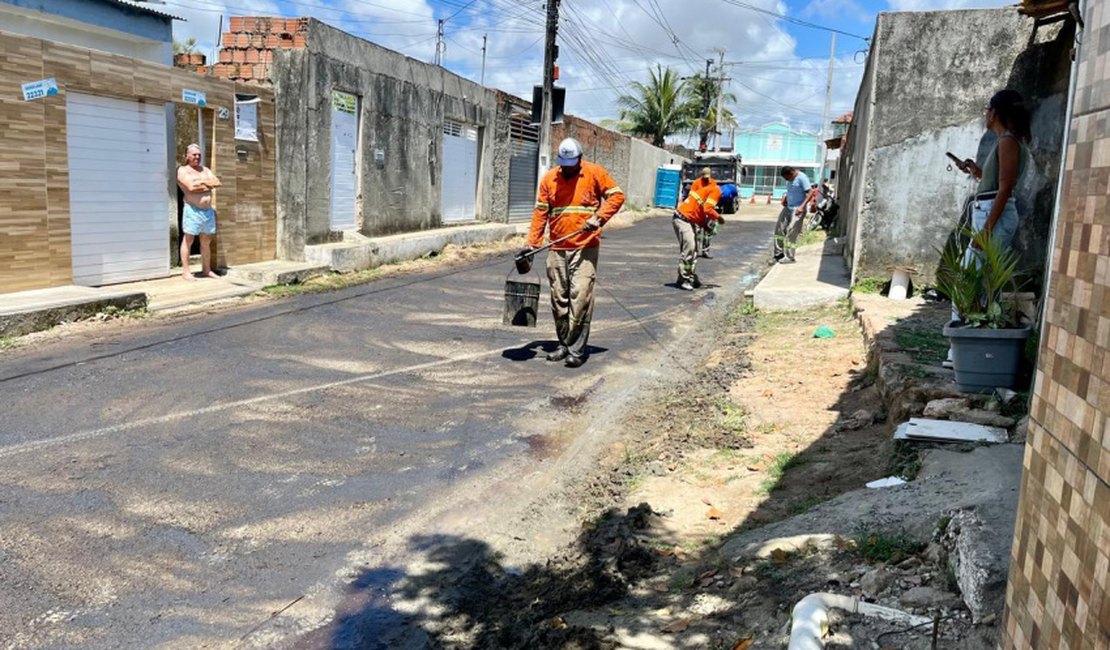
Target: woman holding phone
[994, 208]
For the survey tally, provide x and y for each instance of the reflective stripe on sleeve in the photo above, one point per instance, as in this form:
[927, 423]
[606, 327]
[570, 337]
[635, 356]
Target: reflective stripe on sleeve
[614, 190]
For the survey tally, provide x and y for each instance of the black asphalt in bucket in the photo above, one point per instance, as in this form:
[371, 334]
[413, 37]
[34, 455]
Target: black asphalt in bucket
[522, 300]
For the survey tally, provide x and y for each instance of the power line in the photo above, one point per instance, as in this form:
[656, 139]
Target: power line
[795, 21]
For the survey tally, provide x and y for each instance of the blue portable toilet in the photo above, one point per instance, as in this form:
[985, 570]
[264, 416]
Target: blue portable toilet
[667, 183]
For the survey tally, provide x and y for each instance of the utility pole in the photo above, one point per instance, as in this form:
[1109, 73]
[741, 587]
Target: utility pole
[483, 81]
[440, 45]
[548, 87]
[825, 119]
[720, 99]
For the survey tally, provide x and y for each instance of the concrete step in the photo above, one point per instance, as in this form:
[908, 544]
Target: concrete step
[357, 252]
[275, 272]
[818, 277]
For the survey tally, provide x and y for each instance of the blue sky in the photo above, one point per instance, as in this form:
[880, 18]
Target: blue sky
[780, 69]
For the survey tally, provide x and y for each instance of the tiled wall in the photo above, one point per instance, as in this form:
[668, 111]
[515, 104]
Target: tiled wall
[1059, 591]
[34, 176]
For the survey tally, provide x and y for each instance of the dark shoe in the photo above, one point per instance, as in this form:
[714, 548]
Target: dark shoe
[575, 361]
[558, 355]
[686, 286]
[706, 255]
[696, 282]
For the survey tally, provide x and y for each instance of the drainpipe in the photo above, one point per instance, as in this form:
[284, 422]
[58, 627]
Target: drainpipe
[811, 617]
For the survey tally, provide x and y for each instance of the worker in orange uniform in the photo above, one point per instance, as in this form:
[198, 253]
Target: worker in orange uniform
[698, 211]
[577, 195]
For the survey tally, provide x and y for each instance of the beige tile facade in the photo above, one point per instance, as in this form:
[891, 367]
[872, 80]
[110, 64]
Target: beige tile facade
[1058, 596]
[34, 178]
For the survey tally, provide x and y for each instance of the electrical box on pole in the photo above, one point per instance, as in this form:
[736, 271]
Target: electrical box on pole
[558, 102]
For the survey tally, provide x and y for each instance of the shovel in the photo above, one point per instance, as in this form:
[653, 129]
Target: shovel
[523, 259]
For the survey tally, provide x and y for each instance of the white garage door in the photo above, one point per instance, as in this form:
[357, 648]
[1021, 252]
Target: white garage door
[119, 207]
[344, 148]
[460, 172]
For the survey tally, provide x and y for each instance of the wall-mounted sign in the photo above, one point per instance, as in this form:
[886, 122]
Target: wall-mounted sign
[194, 97]
[343, 102]
[40, 89]
[223, 113]
[246, 117]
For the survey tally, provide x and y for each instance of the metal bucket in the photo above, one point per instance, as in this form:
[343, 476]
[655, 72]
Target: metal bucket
[522, 300]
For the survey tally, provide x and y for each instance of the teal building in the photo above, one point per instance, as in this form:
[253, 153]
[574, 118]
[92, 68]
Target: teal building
[765, 150]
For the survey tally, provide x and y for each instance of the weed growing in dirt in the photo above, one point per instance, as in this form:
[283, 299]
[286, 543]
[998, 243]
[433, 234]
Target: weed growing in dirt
[324, 283]
[886, 547]
[869, 285]
[924, 346]
[733, 418]
[812, 237]
[748, 309]
[907, 460]
[112, 311]
[7, 342]
[916, 372]
[680, 581]
[777, 466]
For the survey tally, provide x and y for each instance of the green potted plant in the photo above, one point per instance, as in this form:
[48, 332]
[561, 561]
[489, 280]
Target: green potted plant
[988, 335]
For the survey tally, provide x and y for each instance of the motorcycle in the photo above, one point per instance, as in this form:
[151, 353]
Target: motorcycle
[825, 210]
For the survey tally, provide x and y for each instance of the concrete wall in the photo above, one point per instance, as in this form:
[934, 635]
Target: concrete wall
[404, 103]
[632, 163]
[643, 162]
[901, 201]
[1058, 595]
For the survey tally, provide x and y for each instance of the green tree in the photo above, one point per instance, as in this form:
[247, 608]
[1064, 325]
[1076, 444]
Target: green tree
[700, 95]
[655, 109]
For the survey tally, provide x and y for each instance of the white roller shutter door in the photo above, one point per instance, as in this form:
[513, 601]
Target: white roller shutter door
[119, 206]
[460, 172]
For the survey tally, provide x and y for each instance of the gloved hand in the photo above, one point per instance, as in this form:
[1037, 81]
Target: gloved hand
[526, 252]
[593, 223]
[714, 226]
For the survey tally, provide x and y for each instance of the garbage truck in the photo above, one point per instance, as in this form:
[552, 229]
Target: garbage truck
[727, 171]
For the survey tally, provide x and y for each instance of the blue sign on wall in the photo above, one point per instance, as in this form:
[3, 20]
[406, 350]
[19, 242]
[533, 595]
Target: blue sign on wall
[193, 97]
[39, 89]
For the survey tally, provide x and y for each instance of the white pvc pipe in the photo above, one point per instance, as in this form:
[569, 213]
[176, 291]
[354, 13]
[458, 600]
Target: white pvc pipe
[811, 618]
[899, 285]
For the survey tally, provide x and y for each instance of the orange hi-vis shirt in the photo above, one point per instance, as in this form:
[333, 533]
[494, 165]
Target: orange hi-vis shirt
[700, 206]
[564, 204]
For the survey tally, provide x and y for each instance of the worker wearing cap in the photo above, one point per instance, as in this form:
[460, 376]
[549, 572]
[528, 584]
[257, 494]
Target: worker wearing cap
[698, 211]
[577, 195]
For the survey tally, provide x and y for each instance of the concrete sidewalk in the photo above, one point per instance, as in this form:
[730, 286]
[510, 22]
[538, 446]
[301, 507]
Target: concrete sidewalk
[819, 277]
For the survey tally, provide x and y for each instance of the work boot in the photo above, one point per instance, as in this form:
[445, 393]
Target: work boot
[696, 282]
[574, 361]
[706, 255]
[559, 354]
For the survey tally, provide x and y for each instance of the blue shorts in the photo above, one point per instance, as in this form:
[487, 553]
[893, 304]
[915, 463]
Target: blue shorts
[198, 221]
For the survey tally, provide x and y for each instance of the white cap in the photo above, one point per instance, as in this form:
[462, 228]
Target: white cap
[570, 152]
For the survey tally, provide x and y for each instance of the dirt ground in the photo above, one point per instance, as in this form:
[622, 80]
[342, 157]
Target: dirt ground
[772, 422]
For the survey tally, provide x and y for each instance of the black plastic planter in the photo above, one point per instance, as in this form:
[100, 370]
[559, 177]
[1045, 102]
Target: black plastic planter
[984, 358]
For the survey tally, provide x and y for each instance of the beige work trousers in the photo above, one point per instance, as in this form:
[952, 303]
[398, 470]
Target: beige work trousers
[572, 275]
[687, 234]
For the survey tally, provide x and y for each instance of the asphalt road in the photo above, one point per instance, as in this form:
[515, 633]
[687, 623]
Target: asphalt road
[176, 484]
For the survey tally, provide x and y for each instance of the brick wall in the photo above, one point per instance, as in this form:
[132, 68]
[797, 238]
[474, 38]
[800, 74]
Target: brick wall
[1059, 590]
[34, 178]
[247, 49]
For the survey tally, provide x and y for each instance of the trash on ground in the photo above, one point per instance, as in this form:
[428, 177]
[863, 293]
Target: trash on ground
[824, 332]
[889, 481]
[921, 429]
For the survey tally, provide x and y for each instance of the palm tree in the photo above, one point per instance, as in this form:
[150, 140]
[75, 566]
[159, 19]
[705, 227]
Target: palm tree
[184, 47]
[700, 95]
[655, 109]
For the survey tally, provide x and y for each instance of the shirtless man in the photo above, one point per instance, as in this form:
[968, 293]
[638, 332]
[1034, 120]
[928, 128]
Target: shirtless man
[198, 217]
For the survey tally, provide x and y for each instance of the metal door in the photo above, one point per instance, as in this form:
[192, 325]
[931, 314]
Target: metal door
[118, 204]
[344, 157]
[460, 172]
[525, 154]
